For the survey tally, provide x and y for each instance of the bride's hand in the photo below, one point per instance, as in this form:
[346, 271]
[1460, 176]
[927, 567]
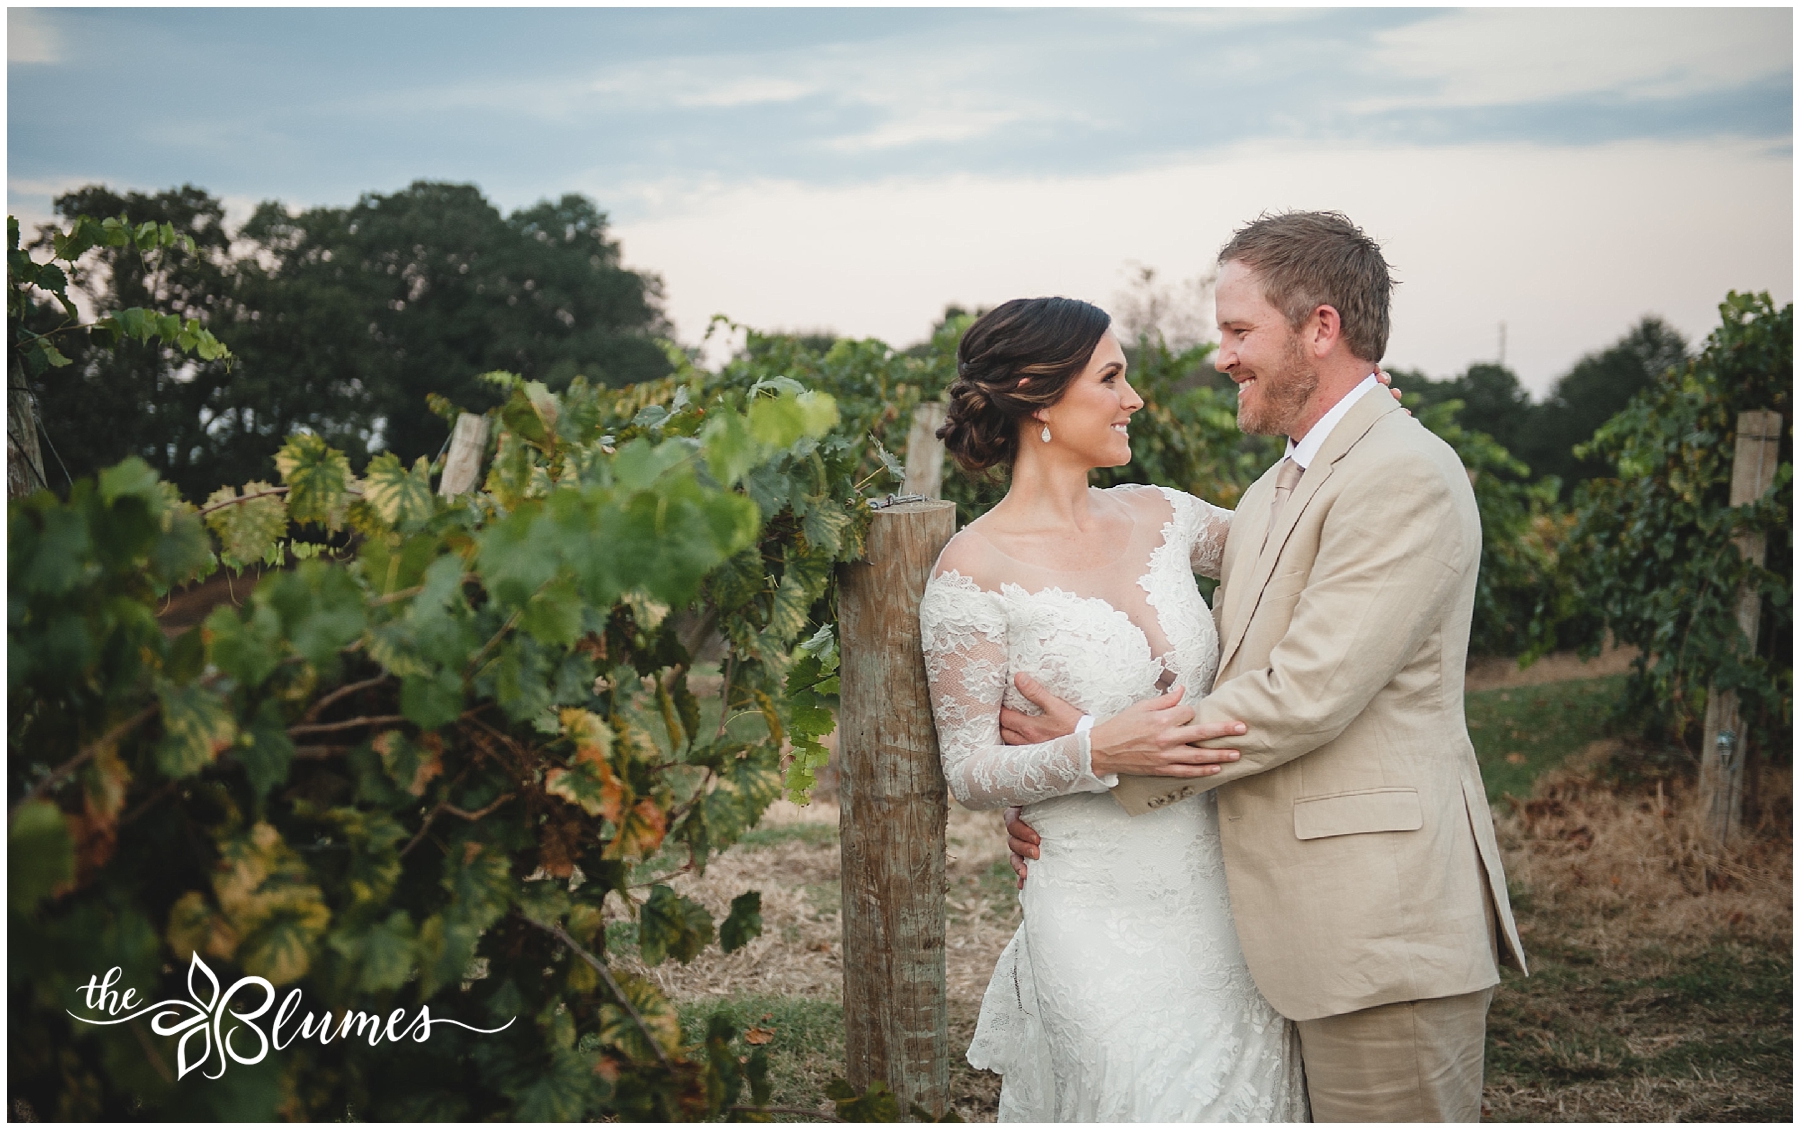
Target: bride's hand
[1154, 738]
[1388, 381]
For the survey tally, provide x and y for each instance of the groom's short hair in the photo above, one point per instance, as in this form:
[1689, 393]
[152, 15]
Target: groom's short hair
[1305, 260]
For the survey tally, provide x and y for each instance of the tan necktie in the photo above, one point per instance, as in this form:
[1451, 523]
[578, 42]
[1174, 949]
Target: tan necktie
[1285, 481]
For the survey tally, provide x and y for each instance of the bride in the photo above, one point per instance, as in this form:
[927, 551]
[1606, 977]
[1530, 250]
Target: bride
[1124, 996]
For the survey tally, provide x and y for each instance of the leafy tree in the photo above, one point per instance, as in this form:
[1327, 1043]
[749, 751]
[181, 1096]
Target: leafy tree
[1651, 550]
[1591, 393]
[105, 397]
[421, 291]
[1493, 401]
[342, 320]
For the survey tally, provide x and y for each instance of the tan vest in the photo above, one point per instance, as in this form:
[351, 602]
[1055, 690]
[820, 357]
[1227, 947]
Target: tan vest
[1359, 848]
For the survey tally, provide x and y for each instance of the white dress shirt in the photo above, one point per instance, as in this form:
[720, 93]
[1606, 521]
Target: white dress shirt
[1315, 437]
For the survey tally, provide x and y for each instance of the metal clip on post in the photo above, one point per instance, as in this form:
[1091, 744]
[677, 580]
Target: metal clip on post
[894, 500]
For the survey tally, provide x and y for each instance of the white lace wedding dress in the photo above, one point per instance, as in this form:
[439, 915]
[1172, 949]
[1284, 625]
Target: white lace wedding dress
[1124, 996]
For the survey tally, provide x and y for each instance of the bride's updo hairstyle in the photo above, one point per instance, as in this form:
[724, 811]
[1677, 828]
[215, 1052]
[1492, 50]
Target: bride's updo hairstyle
[1045, 341]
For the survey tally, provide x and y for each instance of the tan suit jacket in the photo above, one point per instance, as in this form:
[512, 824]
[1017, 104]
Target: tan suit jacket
[1359, 849]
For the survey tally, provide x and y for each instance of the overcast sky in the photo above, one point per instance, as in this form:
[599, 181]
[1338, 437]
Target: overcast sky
[1562, 171]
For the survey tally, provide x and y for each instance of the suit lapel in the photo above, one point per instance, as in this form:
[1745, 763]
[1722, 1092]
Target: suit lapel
[1244, 598]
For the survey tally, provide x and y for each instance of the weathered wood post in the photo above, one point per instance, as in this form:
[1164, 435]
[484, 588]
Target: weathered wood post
[24, 459]
[892, 815]
[925, 451]
[1722, 755]
[463, 463]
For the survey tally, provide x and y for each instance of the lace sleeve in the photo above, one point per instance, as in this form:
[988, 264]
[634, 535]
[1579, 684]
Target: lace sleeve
[963, 631]
[1204, 527]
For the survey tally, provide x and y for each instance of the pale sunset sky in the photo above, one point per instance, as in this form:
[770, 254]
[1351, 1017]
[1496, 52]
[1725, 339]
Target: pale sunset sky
[1564, 171]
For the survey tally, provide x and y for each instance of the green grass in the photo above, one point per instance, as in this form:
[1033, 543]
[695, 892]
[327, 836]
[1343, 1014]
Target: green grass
[812, 835]
[1519, 732]
[1705, 1034]
[807, 1050]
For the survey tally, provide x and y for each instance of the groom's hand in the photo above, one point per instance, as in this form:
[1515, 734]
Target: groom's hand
[1058, 717]
[1021, 842]
[1152, 738]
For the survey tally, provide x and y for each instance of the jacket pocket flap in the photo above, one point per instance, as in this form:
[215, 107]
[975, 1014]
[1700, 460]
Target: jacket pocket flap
[1366, 810]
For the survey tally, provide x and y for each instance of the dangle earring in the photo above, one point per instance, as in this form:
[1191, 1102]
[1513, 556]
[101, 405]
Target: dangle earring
[1045, 434]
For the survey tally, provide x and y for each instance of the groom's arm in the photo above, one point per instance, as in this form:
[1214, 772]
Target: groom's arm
[1390, 555]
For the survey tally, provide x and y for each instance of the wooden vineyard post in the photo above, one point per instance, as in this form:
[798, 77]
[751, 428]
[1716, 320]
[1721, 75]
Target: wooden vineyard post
[925, 451]
[463, 464]
[1724, 741]
[24, 459]
[892, 815]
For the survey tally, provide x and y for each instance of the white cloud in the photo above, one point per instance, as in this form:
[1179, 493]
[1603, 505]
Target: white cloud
[1569, 247]
[926, 124]
[31, 37]
[1502, 56]
[751, 90]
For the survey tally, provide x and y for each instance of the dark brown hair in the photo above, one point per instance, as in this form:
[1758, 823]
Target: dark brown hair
[1048, 341]
[1306, 260]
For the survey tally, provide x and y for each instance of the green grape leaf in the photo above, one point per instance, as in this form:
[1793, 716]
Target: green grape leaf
[553, 614]
[402, 498]
[512, 560]
[562, 1091]
[281, 949]
[479, 879]
[619, 1030]
[317, 477]
[40, 854]
[247, 531]
[387, 954]
[265, 751]
[410, 764]
[777, 422]
[877, 1104]
[670, 925]
[131, 477]
[756, 1070]
[245, 646]
[187, 656]
[431, 699]
[531, 413]
[730, 448]
[320, 607]
[743, 923]
[824, 526]
[197, 727]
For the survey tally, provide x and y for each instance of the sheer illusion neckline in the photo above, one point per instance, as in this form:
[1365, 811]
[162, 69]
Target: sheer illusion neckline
[1166, 660]
[1137, 522]
[1142, 583]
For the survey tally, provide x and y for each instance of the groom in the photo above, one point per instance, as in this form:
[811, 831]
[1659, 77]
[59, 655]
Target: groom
[1359, 850]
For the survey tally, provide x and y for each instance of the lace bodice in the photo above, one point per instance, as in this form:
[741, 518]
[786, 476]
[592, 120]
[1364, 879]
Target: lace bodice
[1098, 638]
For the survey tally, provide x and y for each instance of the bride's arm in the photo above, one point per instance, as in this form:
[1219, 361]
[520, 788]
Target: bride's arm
[964, 637]
[1205, 527]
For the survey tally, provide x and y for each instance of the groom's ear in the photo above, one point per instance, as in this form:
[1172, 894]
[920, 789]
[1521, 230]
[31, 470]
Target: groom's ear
[1324, 329]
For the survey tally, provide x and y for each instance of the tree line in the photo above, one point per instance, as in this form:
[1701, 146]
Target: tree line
[341, 320]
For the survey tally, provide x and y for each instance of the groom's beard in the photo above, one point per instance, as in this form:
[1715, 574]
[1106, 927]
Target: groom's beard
[1280, 396]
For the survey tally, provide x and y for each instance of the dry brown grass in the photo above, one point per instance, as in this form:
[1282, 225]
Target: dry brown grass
[1662, 977]
[1491, 672]
[1632, 861]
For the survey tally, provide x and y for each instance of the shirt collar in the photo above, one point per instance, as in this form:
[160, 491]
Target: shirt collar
[1307, 449]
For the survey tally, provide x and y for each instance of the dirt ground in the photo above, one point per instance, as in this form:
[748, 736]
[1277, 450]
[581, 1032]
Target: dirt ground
[1488, 673]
